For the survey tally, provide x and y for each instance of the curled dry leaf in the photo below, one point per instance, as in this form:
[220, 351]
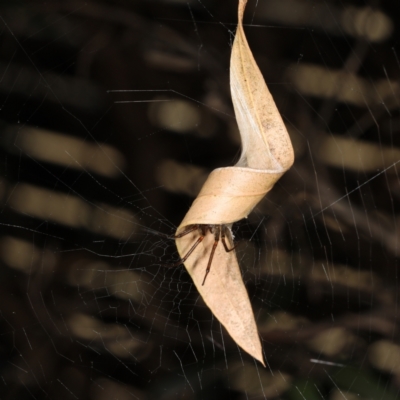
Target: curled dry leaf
[229, 194]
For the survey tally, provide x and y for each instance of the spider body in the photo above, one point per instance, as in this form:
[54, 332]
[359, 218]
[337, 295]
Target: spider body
[219, 231]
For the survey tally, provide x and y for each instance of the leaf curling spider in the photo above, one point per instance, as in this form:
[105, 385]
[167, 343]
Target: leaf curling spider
[220, 233]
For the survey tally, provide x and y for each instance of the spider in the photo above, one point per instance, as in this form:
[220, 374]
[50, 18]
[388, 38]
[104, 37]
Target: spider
[219, 232]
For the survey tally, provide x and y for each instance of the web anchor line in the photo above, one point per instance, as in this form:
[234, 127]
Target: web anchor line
[355, 189]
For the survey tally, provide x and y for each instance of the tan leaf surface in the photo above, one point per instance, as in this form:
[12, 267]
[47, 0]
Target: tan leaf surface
[230, 194]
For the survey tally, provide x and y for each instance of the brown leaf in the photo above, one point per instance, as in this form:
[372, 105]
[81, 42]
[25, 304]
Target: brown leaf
[229, 194]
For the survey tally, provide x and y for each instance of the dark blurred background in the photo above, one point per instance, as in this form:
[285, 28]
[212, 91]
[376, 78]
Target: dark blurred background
[112, 114]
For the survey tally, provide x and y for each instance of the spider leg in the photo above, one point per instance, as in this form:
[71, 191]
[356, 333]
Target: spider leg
[224, 242]
[192, 249]
[216, 236]
[185, 232]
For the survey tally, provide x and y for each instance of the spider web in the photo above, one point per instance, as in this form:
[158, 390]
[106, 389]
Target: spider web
[112, 115]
